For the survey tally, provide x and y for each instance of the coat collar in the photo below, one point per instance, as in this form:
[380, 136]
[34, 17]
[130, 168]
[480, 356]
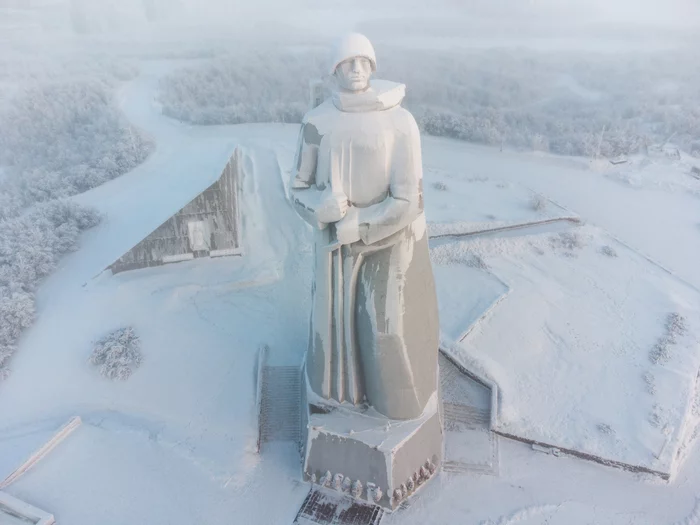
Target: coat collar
[380, 96]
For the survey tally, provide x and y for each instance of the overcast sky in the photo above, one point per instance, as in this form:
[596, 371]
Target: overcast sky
[634, 12]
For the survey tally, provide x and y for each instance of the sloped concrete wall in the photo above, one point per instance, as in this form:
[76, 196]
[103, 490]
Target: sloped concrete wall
[208, 226]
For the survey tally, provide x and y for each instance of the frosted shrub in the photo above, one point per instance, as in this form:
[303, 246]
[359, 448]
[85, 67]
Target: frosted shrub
[569, 241]
[118, 354]
[661, 354]
[650, 382]
[675, 324]
[604, 428]
[538, 202]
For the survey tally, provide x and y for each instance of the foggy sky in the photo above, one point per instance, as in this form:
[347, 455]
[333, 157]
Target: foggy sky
[646, 12]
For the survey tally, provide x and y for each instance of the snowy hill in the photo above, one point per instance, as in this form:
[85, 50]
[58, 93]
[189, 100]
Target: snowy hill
[176, 442]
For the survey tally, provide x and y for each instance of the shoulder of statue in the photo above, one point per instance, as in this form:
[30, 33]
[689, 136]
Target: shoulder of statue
[406, 120]
[324, 109]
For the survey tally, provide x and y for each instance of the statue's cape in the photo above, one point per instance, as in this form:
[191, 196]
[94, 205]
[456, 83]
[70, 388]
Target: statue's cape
[381, 95]
[374, 326]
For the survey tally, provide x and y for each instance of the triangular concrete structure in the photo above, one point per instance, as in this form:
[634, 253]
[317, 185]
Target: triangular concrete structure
[208, 226]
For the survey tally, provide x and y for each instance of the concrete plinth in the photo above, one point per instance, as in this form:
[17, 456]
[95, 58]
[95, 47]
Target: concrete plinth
[369, 456]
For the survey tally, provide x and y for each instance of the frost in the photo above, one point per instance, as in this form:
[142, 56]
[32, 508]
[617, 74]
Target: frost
[606, 429]
[603, 106]
[118, 354]
[30, 247]
[538, 202]
[61, 139]
[609, 251]
[675, 326]
[243, 88]
[569, 241]
[650, 382]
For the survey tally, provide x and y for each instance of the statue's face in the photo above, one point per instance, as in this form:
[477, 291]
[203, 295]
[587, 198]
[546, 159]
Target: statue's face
[354, 73]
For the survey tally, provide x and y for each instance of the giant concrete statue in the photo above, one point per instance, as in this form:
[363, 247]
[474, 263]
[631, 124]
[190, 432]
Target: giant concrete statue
[371, 366]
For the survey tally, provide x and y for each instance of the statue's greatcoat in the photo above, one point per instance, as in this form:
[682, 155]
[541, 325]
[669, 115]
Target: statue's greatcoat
[374, 325]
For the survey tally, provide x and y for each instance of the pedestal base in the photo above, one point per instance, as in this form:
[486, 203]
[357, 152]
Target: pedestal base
[371, 457]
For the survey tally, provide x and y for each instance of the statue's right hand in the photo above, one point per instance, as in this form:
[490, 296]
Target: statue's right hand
[333, 207]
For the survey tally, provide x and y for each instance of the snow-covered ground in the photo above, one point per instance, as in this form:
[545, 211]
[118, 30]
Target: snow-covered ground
[175, 443]
[460, 204]
[577, 348]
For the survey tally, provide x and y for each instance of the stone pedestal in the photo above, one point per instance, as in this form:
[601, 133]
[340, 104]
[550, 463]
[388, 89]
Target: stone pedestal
[371, 457]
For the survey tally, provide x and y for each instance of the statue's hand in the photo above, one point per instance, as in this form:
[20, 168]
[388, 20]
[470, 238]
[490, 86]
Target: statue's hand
[333, 207]
[347, 230]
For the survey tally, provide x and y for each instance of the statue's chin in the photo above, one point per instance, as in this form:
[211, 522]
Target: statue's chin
[356, 87]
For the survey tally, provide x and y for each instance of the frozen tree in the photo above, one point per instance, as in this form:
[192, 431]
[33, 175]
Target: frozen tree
[60, 139]
[117, 354]
[16, 314]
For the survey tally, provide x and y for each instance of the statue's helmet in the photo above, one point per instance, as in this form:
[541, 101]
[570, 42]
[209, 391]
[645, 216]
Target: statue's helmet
[351, 46]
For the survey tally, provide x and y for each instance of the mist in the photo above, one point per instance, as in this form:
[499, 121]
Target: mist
[507, 22]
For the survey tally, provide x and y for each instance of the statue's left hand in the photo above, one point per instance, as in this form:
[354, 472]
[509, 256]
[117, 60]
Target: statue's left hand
[347, 230]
